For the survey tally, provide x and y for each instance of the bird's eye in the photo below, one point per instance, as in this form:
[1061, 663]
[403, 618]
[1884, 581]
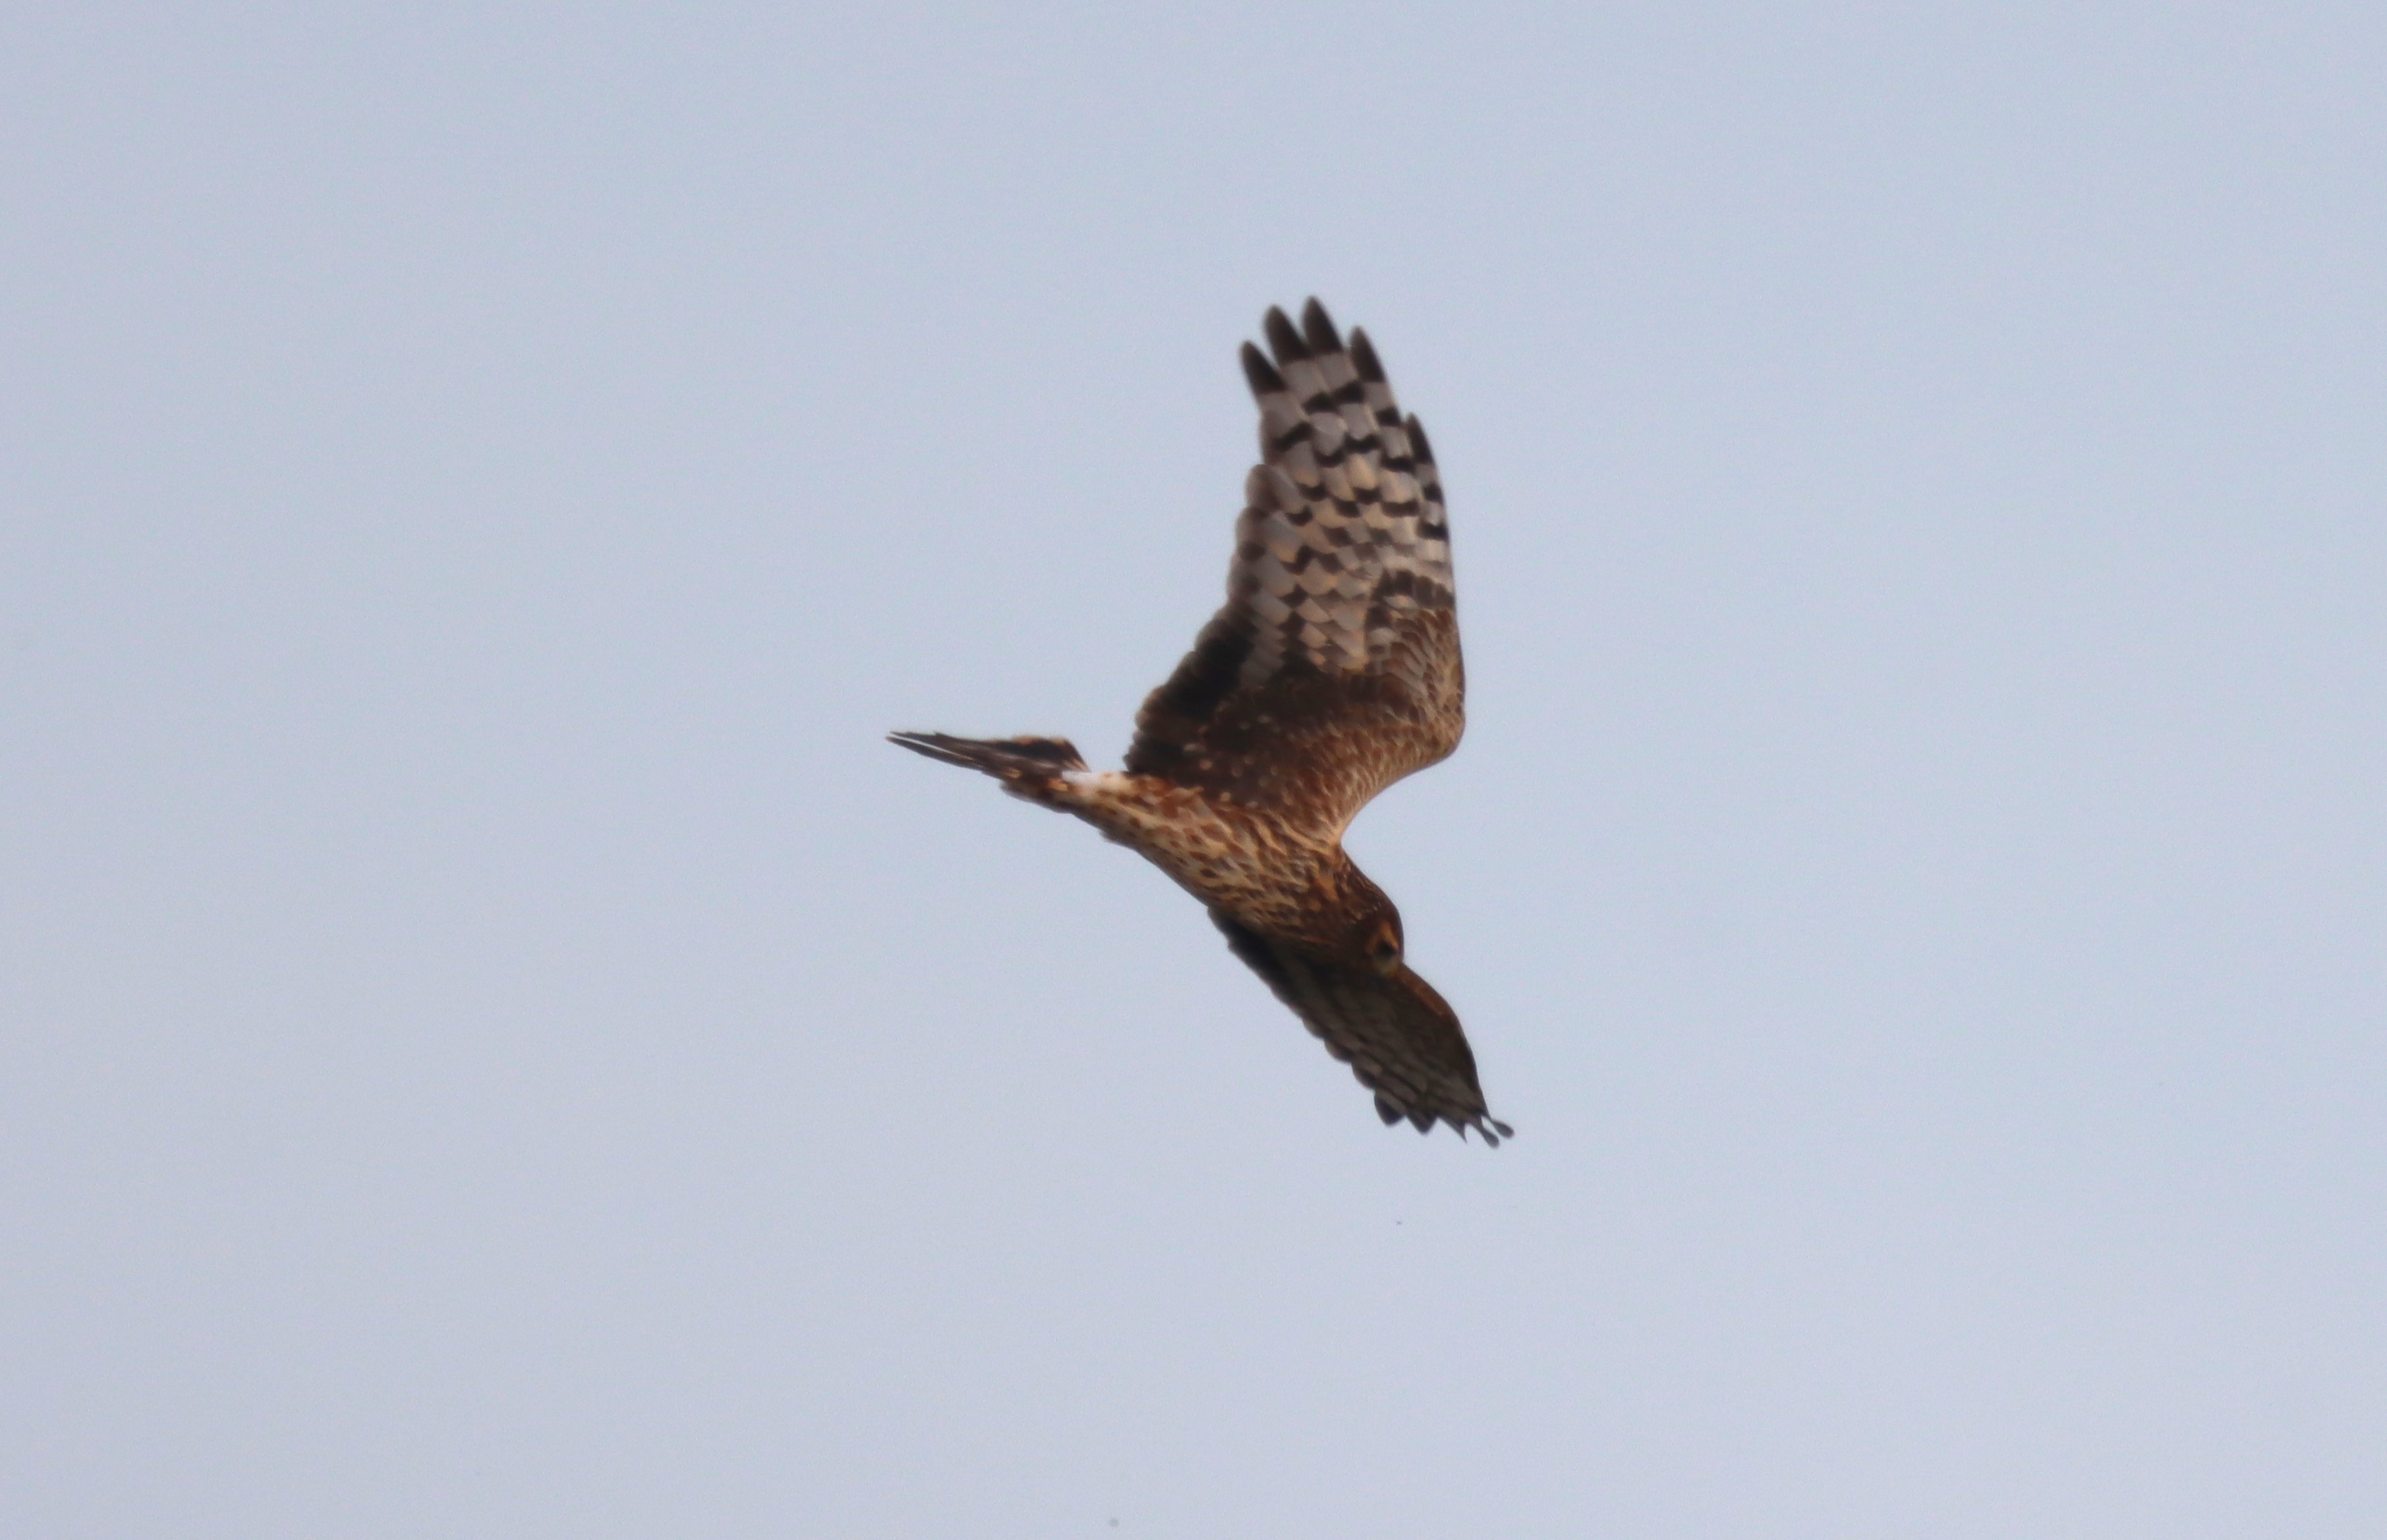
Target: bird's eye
[1385, 951]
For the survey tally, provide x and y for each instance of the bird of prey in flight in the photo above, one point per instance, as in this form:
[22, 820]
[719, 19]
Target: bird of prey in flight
[1332, 672]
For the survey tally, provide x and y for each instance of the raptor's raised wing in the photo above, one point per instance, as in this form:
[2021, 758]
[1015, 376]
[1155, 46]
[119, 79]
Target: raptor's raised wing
[1333, 669]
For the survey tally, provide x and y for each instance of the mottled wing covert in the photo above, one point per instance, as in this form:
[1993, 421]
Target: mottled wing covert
[1333, 670]
[1400, 1039]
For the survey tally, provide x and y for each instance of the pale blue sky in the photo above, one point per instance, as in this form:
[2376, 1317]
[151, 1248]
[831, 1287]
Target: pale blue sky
[493, 1043]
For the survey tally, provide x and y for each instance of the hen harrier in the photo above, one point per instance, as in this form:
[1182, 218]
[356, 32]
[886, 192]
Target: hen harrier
[1331, 673]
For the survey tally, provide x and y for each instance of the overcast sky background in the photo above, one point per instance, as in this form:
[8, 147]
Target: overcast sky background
[493, 1043]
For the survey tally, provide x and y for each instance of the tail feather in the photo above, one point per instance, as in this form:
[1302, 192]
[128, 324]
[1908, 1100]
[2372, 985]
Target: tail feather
[1024, 766]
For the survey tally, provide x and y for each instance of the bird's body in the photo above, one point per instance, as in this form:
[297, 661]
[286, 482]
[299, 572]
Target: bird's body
[1242, 861]
[1332, 671]
[1248, 863]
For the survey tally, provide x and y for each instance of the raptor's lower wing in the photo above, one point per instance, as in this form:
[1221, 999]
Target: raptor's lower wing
[1400, 1039]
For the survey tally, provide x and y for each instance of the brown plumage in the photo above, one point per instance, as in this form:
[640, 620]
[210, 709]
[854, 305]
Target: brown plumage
[1332, 672]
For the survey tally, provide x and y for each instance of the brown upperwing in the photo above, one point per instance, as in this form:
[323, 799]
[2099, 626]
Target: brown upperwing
[1333, 669]
[1400, 1039]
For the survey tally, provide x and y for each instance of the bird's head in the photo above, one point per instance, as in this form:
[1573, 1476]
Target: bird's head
[1375, 925]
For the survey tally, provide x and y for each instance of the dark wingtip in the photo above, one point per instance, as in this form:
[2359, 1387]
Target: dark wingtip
[1417, 445]
[1264, 380]
[1283, 341]
[1363, 357]
[1491, 1128]
[1389, 1112]
[1318, 328]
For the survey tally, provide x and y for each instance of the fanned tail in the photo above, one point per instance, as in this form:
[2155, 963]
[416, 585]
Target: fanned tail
[1030, 767]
